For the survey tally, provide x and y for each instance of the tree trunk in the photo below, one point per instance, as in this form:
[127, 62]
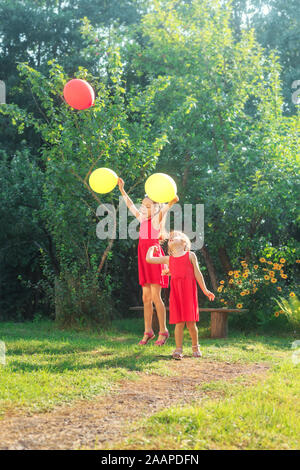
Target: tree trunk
[210, 267]
[224, 258]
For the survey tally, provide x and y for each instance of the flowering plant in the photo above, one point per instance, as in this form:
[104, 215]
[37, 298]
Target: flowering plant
[254, 287]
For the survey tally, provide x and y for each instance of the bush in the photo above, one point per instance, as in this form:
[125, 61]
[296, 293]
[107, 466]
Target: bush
[255, 287]
[291, 309]
[79, 301]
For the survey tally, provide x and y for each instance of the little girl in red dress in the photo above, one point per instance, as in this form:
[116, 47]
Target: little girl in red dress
[151, 217]
[185, 274]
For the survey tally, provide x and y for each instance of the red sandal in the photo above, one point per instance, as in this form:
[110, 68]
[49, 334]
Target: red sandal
[150, 335]
[162, 342]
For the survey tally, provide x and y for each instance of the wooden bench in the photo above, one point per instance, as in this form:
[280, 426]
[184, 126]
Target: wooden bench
[218, 317]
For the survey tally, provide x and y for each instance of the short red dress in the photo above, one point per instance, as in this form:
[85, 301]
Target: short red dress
[150, 273]
[183, 303]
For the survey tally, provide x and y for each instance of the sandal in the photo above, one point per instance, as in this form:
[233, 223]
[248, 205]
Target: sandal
[161, 342]
[177, 354]
[196, 352]
[150, 335]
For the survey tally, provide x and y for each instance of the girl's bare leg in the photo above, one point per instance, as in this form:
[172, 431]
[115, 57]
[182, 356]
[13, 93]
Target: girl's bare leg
[193, 330]
[179, 334]
[160, 309]
[148, 309]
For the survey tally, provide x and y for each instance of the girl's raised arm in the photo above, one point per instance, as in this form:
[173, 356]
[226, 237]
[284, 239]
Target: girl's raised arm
[159, 219]
[199, 277]
[156, 259]
[128, 201]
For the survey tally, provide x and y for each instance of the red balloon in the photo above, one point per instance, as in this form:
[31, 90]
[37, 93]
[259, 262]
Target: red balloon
[79, 94]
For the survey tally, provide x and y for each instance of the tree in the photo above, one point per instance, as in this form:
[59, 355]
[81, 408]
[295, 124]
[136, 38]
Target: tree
[219, 100]
[75, 143]
[276, 25]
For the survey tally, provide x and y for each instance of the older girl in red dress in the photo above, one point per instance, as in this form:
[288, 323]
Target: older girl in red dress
[185, 274]
[151, 217]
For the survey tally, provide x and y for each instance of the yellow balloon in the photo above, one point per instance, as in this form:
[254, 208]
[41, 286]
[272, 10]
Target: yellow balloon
[103, 180]
[160, 187]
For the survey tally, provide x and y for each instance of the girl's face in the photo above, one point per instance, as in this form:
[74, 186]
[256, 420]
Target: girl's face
[147, 208]
[176, 242]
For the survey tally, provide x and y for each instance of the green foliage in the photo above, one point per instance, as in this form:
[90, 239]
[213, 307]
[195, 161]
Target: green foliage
[185, 87]
[220, 104]
[291, 309]
[73, 145]
[255, 287]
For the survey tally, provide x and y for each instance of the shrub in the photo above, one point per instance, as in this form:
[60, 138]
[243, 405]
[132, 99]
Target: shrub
[79, 301]
[291, 309]
[255, 287]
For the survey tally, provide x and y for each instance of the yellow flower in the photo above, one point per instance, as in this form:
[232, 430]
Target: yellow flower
[231, 281]
[239, 281]
[282, 260]
[272, 274]
[284, 276]
[222, 300]
[269, 262]
[276, 314]
[254, 290]
[243, 293]
[245, 274]
[273, 280]
[230, 273]
[262, 260]
[279, 288]
[222, 282]
[236, 275]
[256, 266]
[247, 292]
[254, 285]
[267, 278]
[220, 289]
[292, 294]
[297, 260]
[239, 305]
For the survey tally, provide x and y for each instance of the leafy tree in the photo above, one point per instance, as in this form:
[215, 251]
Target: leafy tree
[75, 143]
[277, 25]
[230, 147]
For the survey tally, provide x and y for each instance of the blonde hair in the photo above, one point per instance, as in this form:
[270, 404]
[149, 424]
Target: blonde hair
[183, 237]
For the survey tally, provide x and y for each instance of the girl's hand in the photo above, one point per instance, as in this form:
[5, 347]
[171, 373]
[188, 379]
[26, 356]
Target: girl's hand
[120, 184]
[166, 272]
[176, 199]
[210, 295]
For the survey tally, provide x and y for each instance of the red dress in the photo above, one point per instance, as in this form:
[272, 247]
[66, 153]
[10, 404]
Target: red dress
[150, 273]
[183, 293]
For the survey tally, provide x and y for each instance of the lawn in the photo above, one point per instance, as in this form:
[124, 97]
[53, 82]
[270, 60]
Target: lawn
[46, 366]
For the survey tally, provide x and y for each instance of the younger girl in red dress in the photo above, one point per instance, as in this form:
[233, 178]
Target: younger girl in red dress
[185, 274]
[151, 217]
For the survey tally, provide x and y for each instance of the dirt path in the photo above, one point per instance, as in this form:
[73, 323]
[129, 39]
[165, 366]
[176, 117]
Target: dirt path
[104, 421]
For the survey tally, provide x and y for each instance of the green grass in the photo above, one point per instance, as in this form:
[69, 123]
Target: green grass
[46, 366]
[262, 416]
